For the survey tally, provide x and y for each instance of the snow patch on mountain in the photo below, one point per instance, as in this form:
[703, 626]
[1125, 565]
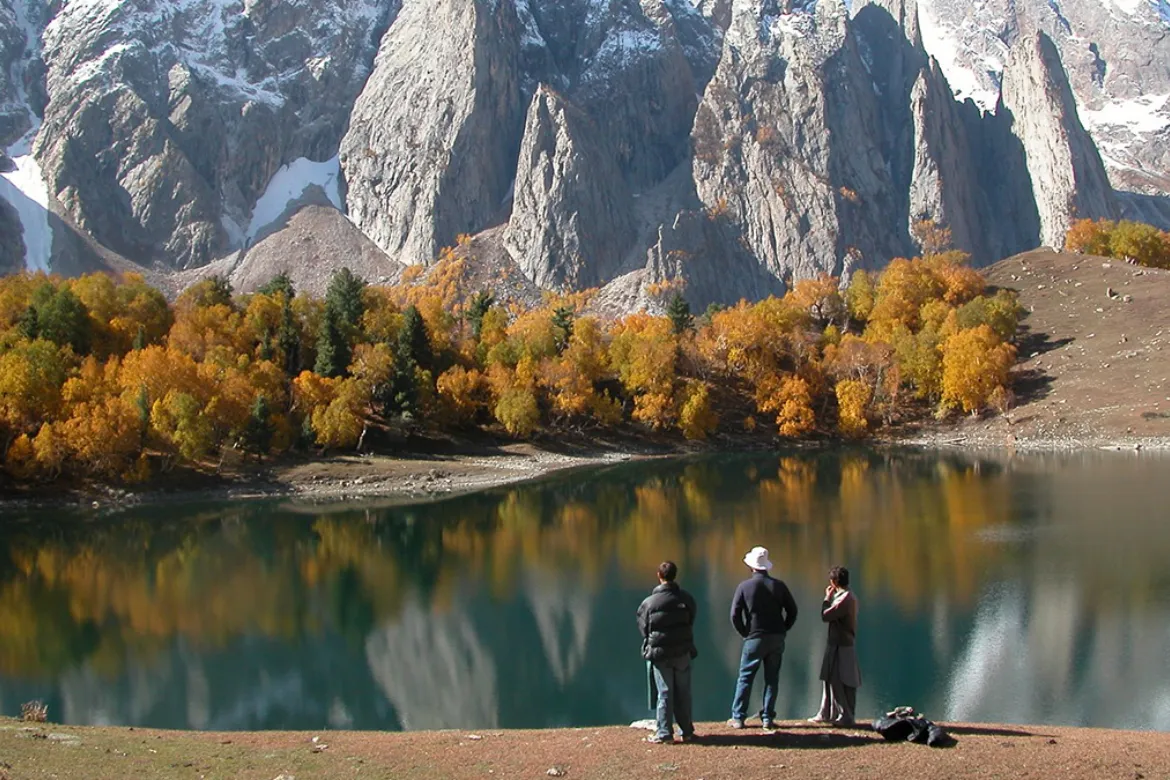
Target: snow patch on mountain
[947, 45]
[1141, 115]
[25, 189]
[1129, 7]
[289, 184]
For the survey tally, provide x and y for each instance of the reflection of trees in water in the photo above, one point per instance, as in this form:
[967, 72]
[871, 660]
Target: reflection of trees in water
[925, 533]
[435, 670]
[563, 611]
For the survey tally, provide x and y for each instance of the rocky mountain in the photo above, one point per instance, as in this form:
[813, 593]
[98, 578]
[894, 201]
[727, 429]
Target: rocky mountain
[723, 147]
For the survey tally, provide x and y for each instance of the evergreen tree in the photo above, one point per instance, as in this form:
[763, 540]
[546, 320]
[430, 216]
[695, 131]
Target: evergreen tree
[288, 339]
[61, 317]
[679, 312]
[142, 407]
[414, 343]
[344, 296]
[213, 291]
[28, 324]
[281, 284]
[333, 353]
[140, 339]
[480, 303]
[257, 434]
[562, 322]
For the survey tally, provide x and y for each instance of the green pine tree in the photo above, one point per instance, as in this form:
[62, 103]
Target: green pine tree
[345, 296]
[679, 312]
[333, 353]
[414, 343]
[562, 322]
[477, 308]
[257, 434]
[288, 339]
[281, 284]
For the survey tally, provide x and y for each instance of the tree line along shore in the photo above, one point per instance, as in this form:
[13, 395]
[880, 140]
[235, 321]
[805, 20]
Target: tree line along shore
[101, 378]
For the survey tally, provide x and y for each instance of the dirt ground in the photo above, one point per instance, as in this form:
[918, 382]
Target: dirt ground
[796, 750]
[1094, 357]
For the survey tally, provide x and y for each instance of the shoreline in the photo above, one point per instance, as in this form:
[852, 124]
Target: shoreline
[794, 750]
[420, 476]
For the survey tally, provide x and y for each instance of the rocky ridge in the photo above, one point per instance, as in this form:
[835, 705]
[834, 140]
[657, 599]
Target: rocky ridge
[722, 147]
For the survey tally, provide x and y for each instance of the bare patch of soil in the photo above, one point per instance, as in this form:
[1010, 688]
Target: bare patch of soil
[795, 750]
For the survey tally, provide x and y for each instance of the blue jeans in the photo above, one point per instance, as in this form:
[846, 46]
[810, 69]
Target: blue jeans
[672, 678]
[766, 651]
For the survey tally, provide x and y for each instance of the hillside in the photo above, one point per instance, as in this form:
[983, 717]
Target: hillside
[1094, 363]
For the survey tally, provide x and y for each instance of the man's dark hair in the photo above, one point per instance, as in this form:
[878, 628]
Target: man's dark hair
[667, 571]
[839, 575]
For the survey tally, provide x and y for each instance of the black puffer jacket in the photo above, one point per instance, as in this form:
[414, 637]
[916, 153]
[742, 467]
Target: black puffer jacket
[666, 619]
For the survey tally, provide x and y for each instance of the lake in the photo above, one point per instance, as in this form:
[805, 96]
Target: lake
[1026, 589]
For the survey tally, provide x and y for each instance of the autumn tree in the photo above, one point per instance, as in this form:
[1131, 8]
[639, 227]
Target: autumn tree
[975, 365]
[1090, 237]
[853, 399]
[696, 418]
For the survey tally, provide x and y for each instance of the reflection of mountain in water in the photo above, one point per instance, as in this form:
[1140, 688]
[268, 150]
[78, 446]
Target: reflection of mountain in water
[1033, 656]
[563, 611]
[515, 607]
[435, 670]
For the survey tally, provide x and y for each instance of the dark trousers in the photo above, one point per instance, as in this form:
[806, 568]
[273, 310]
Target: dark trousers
[672, 677]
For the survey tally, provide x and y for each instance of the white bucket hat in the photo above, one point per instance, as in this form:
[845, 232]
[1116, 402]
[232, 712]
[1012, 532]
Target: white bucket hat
[758, 559]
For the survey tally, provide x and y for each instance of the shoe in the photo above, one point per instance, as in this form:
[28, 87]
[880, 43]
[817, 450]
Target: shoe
[817, 720]
[689, 738]
[735, 723]
[654, 739]
[768, 724]
[844, 724]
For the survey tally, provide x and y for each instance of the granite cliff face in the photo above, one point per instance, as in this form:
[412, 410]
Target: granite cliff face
[1116, 53]
[572, 216]
[722, 147]
[1068, 178]
[165, 121]
[433, 138]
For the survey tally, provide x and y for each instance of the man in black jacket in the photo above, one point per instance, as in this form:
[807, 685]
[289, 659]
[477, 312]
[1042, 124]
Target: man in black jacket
[666, 619]
[762, 611]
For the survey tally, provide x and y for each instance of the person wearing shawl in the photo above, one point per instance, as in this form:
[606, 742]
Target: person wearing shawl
[840, 674]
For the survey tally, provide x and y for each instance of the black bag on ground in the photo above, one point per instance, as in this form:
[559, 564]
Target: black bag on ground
[900, 727]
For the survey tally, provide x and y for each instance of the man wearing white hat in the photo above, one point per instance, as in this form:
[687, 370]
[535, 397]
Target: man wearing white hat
[762, 611]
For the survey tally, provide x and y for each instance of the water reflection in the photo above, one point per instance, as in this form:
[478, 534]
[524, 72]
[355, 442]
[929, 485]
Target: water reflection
[1029, 589]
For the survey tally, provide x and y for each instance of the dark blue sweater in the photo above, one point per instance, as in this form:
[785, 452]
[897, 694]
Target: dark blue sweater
[762, 605]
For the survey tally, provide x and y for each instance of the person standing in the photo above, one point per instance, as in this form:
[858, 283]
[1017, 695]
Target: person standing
[763, 612]
[666, 619]
[840, 673]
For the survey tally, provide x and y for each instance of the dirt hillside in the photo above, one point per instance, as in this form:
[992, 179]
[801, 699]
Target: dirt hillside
[1094, 356]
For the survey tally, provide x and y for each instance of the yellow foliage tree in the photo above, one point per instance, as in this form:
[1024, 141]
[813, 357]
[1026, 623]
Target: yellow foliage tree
[975, 365]
[789, 399]
[697, 418]
[51, 449]
[21, 459]
[517, 411]
[853, 399]
[461, 394]
[105, 437]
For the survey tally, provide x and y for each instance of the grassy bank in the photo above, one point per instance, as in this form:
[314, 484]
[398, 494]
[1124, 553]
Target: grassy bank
[795, 751]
